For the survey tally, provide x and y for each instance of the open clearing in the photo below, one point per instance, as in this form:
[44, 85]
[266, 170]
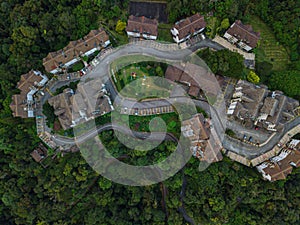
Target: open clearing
[269, 48]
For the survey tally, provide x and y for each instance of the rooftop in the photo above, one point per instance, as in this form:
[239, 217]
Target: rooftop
[22, 104]
[74, 49]
[190, 25]
[142, 25]
[244, 33]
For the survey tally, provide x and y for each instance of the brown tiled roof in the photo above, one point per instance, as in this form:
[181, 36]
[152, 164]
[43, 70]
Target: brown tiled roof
[190, 25]
[196, 123]
[269, 106]
[194, 91]
[244, 33]
[279, 170]
[173, 73]
[74, 49]
[251, 100]
[278, 110]
[62, 108]
[294, 157]
[89, 98]
[142, 25]
[39, 153]
[27, 81]
[18, 104]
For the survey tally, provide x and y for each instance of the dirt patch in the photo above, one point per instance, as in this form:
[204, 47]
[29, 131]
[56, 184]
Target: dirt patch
[152, 10]
[56, 125]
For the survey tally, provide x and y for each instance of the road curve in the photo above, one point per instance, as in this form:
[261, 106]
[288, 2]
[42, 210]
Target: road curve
[103, 68]
[155, 136]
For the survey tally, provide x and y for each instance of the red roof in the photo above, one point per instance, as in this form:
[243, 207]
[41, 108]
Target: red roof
[190, 25]
[244, 33]
[142, 25]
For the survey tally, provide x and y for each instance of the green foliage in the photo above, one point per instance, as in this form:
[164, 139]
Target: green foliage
[224, 62]
[286, 81]
[48, 111]
[283, 18]
[252, 77]
[120, 27]
[69, 191]
[72, 85]
[76, 67]
[229, 132]
[225, 24]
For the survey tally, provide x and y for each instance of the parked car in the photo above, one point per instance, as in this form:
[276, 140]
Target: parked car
[250, 139]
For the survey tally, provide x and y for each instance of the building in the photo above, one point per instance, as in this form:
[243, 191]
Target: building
[62, 105]
[89, 101]
[197, 79]
[22, 104]
[40, 153]
[186, 28]
[63, 58]
[242, 35]
[202, 145]
[142, 27]
[280, 166]
[257, 106]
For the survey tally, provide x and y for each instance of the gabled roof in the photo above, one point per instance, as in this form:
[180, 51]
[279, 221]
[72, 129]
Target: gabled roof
[75, 48]
[190, 25]
[280, 166]
[28, 84]
[244, 33]
[173, 73]
[269, 106]
[142, 25]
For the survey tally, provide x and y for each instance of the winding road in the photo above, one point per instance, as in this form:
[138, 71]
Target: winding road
[102, 70]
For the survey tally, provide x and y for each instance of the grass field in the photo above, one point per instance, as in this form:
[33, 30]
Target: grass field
[269, 49]
[142, 85]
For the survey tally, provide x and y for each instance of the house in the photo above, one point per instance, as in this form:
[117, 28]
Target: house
[142, 27]
[186, 28]
[89, 101]
[195, 77]
[22, 104]
[202, 144]
[256, 105]
[242, 35]
[62, 105]
[40, 153]
[63, 58]
[280, 166]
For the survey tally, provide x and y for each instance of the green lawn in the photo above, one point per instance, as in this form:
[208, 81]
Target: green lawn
[76, 67]
[268, 48]
[164, 33]
[143, 81]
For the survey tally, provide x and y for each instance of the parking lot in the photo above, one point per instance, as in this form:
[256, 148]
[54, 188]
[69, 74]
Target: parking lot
[147, 111]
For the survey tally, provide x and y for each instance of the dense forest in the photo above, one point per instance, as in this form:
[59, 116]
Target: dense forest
[69, 191]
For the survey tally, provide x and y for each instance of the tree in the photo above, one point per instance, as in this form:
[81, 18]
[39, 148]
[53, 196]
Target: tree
[120, 27]
[224, 24]
[286, 81]
[253, 78]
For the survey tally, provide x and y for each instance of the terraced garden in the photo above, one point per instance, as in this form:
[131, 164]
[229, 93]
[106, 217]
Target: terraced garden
[269, 49]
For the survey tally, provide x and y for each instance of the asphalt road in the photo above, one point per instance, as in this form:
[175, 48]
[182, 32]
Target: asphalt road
[217, 113]
[154, 136]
